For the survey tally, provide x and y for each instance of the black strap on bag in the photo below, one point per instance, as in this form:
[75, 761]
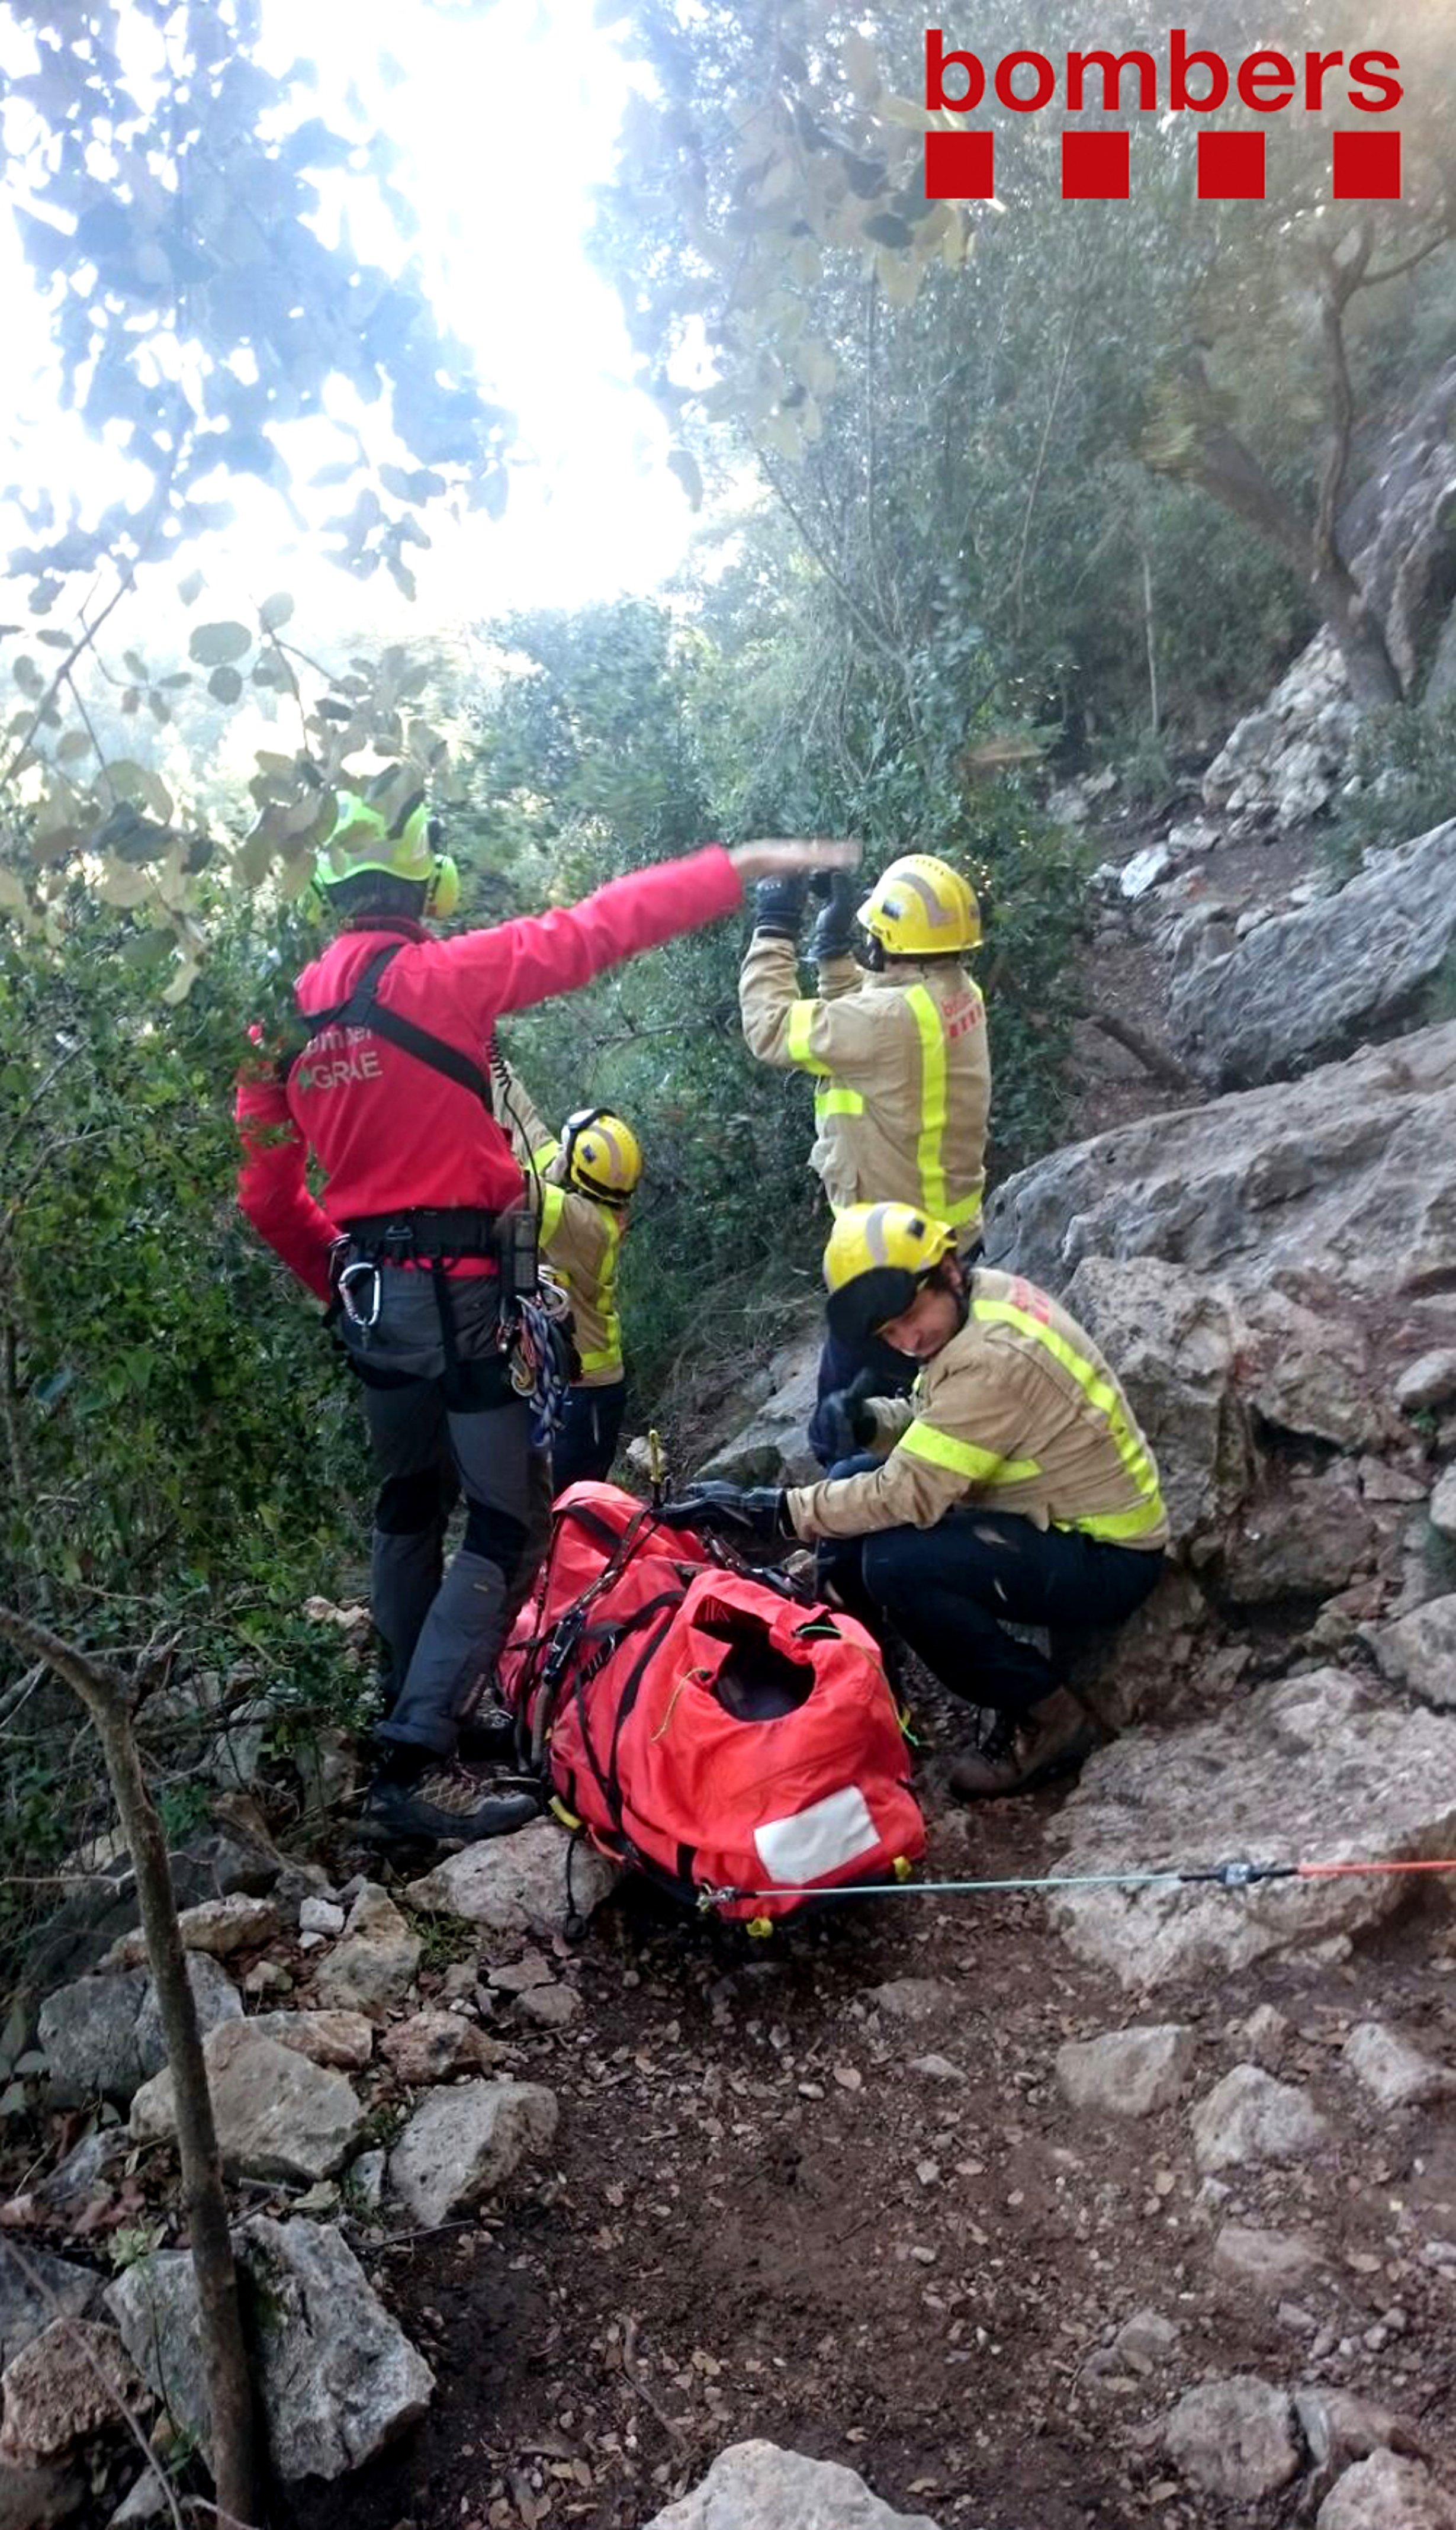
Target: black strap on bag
[363, 1009]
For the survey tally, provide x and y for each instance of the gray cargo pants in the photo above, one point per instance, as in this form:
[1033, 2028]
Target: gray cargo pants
[433, 1407]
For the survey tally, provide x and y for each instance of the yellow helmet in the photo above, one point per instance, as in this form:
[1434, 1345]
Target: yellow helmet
[602, 1155]
[876, 1258]
[401, 845]
[922, 908]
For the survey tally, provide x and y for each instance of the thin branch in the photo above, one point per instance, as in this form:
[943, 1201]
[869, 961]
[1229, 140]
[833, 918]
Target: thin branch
[75, 696]
[1408, 262]
[1018, 576]
[124, 585]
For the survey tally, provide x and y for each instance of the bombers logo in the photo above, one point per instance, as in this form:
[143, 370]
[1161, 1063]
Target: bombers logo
[960, 165]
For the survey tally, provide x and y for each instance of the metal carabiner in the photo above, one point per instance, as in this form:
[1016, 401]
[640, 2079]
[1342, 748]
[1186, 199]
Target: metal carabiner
[347, 1280]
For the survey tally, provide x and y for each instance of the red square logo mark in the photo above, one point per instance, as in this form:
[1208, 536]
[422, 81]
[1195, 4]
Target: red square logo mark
[1366, 166]
[1230, 166]
[959, 166]
[1094, 166]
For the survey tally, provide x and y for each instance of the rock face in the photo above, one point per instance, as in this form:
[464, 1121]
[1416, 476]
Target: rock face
[1290, 1178]
[376, 1962]
[1418, 1651]
[462, 2144]
[1175, 1341]
[1127, 2072]
[343, 2039]
[1234, 2438]
[1383, 2493]
[104, 2033]
[1312, 985]
[1305, 1543]
[756, 2486]
[336, 2377]
[1394, 2073]
[771, 1448]
[1284, 761]
[1281, 1779]
[278, 2114]
[60, 2387]
[35, 2293]
[1249, 2116]
[516, 1884]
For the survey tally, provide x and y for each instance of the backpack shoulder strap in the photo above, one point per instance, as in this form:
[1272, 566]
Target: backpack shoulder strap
[363, 1009]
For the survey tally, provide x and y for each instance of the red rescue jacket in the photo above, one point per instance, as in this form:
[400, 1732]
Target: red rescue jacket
[391, 1134]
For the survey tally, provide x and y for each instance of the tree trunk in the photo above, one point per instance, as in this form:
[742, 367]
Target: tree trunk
[220, 2319]
[1362, 641]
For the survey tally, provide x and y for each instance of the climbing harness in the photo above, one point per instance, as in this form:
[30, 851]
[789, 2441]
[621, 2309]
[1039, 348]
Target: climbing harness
[1237, 1874]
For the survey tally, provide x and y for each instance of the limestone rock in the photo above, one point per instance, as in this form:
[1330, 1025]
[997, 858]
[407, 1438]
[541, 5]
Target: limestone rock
[1426, 1382]
[336, 2377]
[1284, 759]
[1127, 2072]
[1443, 1505]
[756, 2486]
[1339, 2426]
[104, 2033]
[1383, 2493]
[462, 2144]
[320, 1915]
[1234, 2438]
[1264, 2037]
[550, 2007]
[771, 1448]
[35, 2289]
[1191, 1797]
[1394, 2073]
[1303, 1543]
[1250, 2116]
[516, 1884]
[1271, 2263]
[278, 2114]
[435, 2045]
[1314, 984]
[912, 1998]
[1145, 870]
[220, 1926]
[1418, 1651]
[61, 2387]
[1255, 1185]
[343, 2039]
[1145, 2340]
[376, 1962]
[38, 2499]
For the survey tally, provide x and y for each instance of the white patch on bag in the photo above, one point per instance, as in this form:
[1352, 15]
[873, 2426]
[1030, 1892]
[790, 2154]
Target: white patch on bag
[820, 1839]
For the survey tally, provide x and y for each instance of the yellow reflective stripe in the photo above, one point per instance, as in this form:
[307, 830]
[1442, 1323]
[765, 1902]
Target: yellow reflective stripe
[800, 1029]
[1100, 1393]
[545, 1153]
[933, 1109]
[610, 1358]
[978, 1466]
[553, 1204]
[1109, 1526]
[957, 1215]
[838, 1102]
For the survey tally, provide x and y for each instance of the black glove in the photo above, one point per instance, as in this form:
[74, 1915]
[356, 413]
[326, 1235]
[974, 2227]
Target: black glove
[755, 1512]
[841, 1422]
[833, 935]
[779, 904]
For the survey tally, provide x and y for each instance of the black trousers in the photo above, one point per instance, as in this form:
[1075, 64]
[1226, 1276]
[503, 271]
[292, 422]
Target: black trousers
[587, 1444]
[944, 1590]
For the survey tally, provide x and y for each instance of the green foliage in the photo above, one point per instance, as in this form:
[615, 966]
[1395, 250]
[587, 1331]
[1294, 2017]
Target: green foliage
[1403, 762]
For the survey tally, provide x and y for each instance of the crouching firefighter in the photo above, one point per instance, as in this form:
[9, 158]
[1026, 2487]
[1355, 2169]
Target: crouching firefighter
[1013, 1484]
[895, 1040]
[388, 1092]
[581, 1187]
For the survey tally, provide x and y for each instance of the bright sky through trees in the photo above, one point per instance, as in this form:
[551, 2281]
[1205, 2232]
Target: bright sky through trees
[507, 115]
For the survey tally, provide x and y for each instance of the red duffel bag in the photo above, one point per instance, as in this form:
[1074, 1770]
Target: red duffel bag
[705, 1727]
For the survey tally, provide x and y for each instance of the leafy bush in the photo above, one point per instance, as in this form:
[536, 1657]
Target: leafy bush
[1403, 761]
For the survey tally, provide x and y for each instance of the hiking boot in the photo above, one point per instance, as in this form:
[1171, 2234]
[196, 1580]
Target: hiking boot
[450, 1805]
[487, 1738]
[1019, 1752]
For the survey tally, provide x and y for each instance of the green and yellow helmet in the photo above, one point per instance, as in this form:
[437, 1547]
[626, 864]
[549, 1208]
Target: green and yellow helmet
[396, 845]
[876, 1258]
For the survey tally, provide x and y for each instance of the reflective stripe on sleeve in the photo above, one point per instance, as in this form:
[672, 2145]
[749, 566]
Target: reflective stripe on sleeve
[963, 1459]
[553, 1204]
[610, 1358]
[1101, 1397]
[929, 1150]
[838, 1102]
[800, 1029]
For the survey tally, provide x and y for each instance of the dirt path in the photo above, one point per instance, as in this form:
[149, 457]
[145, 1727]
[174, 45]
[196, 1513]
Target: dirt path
[776, 2209]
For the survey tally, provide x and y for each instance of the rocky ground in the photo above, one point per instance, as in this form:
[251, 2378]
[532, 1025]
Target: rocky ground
[1033, 2209]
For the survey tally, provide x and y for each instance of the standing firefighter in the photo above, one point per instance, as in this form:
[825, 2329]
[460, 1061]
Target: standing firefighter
[581, 1187]
[1013, 1484]
[391, 1096]
[896, 1044]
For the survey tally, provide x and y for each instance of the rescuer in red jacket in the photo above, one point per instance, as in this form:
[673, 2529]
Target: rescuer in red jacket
[391, 1096]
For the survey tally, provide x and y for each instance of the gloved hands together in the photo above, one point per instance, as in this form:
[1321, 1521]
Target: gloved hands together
[841, 1422]
[779, 903]
[833, 935]
[753, 1512]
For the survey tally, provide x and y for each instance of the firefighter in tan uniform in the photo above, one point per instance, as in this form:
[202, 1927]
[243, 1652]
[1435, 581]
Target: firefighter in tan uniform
[896, 1044]
[1014, 1483]
[582, 1185]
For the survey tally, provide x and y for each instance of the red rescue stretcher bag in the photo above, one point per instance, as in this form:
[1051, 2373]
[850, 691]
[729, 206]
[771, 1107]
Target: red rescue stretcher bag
[707, 1729]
